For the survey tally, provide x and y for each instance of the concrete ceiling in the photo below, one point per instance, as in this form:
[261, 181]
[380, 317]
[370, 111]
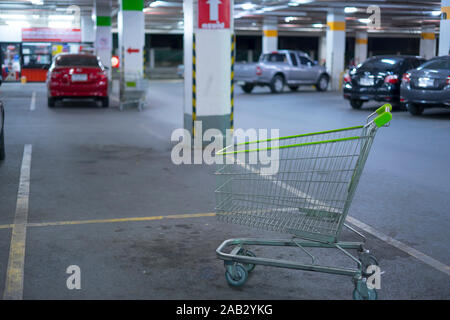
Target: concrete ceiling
[294, 16]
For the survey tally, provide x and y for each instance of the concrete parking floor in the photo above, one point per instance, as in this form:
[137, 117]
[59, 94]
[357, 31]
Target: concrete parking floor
[90, 163]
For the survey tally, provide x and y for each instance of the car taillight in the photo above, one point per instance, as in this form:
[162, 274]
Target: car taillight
[55, 75]
[406, 77]
[347, 78]
[258, 71]
[448, 80]
[393, 79]
[102, 75]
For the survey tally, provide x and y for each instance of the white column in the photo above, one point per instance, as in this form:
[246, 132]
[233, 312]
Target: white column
[322, 50]
[152, 58]
[270, 35]
[360, 47]
[131, 28]
[444, 30]
[87, 29]
[335, 46]
[208, 58]
[103, 35]
[427, 42]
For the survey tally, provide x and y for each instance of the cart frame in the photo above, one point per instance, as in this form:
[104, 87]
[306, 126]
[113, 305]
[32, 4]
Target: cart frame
[239, 262]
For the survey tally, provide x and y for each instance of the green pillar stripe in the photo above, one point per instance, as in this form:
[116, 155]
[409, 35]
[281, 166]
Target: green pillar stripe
[132, 5]
[103, 21]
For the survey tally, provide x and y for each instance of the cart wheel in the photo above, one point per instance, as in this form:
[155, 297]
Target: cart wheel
[362, 292]
[240, 276]
[367, 259]
[248, 253]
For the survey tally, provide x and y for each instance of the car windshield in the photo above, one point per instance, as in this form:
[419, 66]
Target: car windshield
[440, 64]
[380, 64]
[76, 60]
[274, 57]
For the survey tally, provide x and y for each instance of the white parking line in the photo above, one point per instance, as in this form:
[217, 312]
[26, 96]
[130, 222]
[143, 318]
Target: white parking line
[395, 243]
[14, 273]
[33, 101]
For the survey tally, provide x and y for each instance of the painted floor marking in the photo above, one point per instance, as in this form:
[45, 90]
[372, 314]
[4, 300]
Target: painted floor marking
[33, 101]
[16, 260]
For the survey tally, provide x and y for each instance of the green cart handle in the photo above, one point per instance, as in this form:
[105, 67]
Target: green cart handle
[383, 114]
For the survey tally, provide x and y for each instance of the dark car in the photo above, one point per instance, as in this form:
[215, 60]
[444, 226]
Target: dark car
[427, 86]
[378, 78]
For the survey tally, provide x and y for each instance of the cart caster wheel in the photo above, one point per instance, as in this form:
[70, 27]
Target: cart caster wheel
[248, 253]
[367, 259]
[240, 276]
[362, 292]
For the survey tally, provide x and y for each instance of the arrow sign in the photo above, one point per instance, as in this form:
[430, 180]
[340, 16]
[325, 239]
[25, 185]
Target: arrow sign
[214, 14]
[213, 9]
[131, 50]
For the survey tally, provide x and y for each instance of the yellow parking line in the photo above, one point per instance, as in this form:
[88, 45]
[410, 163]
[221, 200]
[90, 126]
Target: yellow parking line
[77, 222]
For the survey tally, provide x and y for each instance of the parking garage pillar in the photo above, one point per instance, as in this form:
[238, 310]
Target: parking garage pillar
[87, 29]
[270, 35]
[103, 35]
[335, 46]
[360, 47]
[131, 32]
[444, 32]
[427, 42]
[209, 51]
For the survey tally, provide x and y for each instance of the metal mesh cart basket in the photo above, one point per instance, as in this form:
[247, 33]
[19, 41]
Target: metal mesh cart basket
[133, 90]
[308, 197]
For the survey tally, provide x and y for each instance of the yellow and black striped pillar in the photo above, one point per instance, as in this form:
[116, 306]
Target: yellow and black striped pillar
[194, 98]
[233, 58]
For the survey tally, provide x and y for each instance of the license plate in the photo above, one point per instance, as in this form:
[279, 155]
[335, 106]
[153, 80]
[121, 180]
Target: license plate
[425, 82]
[366, 81]
[79, 77]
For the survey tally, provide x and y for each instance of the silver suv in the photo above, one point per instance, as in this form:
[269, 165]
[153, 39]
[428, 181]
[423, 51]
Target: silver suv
[280, 68]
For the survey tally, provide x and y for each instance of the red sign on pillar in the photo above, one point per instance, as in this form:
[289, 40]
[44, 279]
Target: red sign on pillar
[213, 14]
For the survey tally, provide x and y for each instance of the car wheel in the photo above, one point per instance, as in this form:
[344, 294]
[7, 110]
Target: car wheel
[322, 83]
[415, 109]
[248, 87]
[356, 104]
[105, 102]
[293, 88]
[277, 84]
[51, 102]
[2, 145]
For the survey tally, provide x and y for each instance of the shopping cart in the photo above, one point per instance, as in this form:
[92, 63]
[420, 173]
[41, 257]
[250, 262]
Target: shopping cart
[133, 90]
[308, 197]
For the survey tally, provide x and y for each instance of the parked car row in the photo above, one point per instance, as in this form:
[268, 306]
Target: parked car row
[405, 81]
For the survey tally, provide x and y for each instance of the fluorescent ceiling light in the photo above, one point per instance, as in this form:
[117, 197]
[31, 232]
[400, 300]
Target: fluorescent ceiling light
[299, 2]
[13, 16]
[248, 6]
[156, 4]
[436, 13]
[350, 9]
[367, 21]
[37, 2]
[60, 17]
[318, 25]
[18, 24]
[289, 19]
[59, 24]
[35, 16]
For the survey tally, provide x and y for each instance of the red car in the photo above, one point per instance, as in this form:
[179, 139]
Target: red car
[77, 76]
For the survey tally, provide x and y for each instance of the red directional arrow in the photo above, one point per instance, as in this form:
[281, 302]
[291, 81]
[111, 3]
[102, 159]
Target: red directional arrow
[131, 50]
